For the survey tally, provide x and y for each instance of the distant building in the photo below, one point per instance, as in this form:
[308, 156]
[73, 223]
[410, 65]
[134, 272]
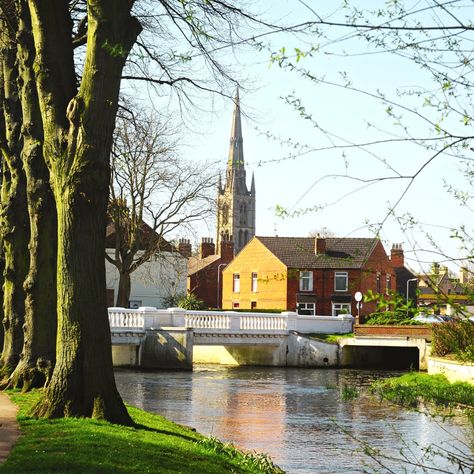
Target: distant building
[444, 293]
[156, 280]
[235, 222]
[308, 275]
[205, 271]
[235, 202]
[407, 281]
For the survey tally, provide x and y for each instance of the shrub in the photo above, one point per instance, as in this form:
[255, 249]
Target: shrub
[190, 301]
[391, 309]
[454, 338]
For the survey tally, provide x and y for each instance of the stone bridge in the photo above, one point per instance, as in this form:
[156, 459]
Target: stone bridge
[175, 337]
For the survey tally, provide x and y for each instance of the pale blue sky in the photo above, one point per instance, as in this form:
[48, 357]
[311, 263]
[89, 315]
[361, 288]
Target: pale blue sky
[297, 183]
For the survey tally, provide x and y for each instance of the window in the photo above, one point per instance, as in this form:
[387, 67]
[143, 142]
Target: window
[378, 286]
[341, 308]
[134, 304]
[306, 281]
[254, 282]
[253, 305]
[236, 286]
[389, 283]
[340, 281]
[308, 309]
[235, 305]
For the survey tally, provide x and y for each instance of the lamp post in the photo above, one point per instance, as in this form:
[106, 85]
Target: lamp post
[219, 283]
[408, 284]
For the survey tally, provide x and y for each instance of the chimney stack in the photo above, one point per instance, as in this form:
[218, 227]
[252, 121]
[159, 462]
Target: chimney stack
[464, 276]
[320, 245]
[184, 247]
[226, 250]
[397, 256]
[207, 247]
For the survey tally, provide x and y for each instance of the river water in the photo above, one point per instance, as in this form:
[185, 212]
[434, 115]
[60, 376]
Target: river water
[297, 416]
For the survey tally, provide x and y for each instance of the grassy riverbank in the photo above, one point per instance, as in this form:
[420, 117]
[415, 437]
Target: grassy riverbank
[412, 388]
[153, 445]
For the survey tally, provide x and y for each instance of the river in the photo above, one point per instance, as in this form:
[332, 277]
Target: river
[297, 416]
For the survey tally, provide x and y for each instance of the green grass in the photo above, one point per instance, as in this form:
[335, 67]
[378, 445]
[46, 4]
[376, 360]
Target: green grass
[154, 445]
[331, 338]
[412, 388]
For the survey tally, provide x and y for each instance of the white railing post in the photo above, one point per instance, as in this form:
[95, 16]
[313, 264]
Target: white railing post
[178, 317]
[235, 321]
[291, 320]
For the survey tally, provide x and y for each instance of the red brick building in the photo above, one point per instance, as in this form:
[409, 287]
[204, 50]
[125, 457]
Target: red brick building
[205, 271]
[306, 274]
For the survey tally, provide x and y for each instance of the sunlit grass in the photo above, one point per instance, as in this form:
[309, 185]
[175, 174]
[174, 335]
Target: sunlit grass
[412, 388]
[153, 445]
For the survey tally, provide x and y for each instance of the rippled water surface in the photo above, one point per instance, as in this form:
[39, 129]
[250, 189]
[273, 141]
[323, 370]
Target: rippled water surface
[298, 416]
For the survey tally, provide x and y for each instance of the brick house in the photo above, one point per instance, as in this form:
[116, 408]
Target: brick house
[307, 274]
[205, 271]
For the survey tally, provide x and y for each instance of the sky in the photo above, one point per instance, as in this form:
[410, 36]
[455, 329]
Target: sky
[313, 182]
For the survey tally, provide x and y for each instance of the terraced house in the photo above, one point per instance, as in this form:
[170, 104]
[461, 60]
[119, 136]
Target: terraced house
[314, 276]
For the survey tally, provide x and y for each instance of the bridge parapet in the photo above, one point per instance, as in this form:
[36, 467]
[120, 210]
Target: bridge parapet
[144, 318]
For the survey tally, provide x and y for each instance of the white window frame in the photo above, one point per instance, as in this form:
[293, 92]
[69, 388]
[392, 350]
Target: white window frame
[310, 306]
[306, 276]
[340, 275]
[341, 306]
[236, 282]
[254, 283]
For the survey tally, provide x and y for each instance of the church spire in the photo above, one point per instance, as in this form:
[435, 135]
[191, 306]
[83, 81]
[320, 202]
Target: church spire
[236, 148]
[235, 203]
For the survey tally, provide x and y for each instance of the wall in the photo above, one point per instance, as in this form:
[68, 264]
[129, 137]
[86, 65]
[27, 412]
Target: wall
[271, 284]
[454, 372]
[294, 350]
[125, 355]
[167, 348]
[154, 280]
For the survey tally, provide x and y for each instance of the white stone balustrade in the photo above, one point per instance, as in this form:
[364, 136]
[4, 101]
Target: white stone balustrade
[122, 319]
[128, 319]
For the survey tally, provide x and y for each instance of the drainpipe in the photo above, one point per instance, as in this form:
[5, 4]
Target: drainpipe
[219, 271]
[408, 284]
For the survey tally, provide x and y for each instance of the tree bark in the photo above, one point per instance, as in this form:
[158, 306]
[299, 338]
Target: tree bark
[124, 288]
[78, 130]
[14, 217]
[39, 347]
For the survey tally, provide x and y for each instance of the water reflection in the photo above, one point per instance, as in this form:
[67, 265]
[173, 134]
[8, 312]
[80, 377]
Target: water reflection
[295, 415]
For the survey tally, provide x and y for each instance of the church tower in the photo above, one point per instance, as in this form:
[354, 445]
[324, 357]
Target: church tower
[235, 203]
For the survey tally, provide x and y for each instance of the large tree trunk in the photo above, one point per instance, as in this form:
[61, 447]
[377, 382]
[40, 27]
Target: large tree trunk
[78, 134]
[14, 217]
[39, 347]
[124, 288]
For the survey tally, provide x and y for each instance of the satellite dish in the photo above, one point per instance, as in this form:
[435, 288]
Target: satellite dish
[358, 296]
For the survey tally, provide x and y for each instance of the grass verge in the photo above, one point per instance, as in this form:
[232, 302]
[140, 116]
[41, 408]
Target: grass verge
[331, 338]
[412, 388]
[153, 445]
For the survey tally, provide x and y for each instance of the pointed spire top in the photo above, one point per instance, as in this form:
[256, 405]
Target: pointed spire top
[236, 152]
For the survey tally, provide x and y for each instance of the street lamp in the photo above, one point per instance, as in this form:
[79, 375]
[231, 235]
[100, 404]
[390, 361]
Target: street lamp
[408, 283]
[219, 282]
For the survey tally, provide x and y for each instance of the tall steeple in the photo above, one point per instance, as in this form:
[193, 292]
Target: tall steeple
[235, 203]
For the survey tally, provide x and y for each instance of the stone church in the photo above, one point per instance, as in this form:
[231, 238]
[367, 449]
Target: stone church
[235, 202]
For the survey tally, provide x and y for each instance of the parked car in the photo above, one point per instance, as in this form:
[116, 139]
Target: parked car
[428, 318]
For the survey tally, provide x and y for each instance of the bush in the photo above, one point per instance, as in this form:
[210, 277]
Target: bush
[392, 309]
[190, 302]
[454, 338]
